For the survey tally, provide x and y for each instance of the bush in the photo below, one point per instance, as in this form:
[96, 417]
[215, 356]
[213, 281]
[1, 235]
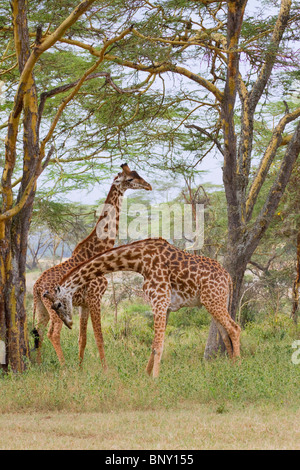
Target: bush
[188, 316]
[272, 326]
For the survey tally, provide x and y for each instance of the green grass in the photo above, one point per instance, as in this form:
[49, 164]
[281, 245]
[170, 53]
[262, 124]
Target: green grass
[266, 375]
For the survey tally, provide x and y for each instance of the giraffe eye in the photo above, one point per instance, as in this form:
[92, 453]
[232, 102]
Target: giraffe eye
[130, 179]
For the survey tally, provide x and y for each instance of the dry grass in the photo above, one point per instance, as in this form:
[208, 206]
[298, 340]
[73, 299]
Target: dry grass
[195, 404]
[191, 427]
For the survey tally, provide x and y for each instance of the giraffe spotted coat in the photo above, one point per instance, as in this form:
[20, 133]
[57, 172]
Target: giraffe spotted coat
[172, 279]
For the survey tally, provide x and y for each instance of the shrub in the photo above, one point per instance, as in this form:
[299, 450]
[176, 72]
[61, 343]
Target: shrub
[188, 316]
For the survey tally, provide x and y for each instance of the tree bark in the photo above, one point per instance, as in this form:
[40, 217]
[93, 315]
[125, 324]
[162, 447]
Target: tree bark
[15, 215]
[296, 285]
[13, 246]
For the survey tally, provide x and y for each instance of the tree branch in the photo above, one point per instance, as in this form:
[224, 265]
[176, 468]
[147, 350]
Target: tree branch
[26, 74]
[61, 89]
[48, 42]
[208, 134]
[271, 54]
[78, 85]
[275, 193]
[267, 160]
[169, 67]
[235, 18]
[154, 69]
[250, 100]
[19, 206]
[264, 269]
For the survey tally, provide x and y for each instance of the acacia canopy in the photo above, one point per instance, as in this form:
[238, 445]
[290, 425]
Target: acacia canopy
[167, 82]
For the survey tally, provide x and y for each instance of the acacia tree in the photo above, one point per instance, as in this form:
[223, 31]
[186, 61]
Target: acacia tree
[28, 41]
[16, 214]
[244, 58]
[228, 65]
[220, 105]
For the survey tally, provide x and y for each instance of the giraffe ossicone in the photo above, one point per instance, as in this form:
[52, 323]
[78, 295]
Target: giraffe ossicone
[172, 279]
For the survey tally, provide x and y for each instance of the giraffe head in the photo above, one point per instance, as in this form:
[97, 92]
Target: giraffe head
[62, 304]
[128, 179]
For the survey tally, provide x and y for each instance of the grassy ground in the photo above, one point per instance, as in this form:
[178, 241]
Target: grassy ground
[189, 426]
[194, 404]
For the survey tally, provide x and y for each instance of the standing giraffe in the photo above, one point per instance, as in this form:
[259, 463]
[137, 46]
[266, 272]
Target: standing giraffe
[172, 279]
[102, 238]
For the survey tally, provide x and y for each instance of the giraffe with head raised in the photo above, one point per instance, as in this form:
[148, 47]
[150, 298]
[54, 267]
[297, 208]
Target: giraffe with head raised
[88, 298]
[172, 279]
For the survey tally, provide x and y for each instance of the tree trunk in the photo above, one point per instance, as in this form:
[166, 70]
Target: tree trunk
[296, 285]
[235, 258]
[244, 234]
[14, 227]
[13, 323]
[16, 212]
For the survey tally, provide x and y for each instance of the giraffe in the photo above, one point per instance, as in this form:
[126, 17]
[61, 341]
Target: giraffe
[172, 279]
[88, 298]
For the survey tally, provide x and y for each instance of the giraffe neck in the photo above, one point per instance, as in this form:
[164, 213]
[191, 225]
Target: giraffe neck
[103, 236]
[124, 258]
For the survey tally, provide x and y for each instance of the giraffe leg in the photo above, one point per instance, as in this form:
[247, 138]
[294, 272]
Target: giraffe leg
[225, 337]
[235, 338]
[96, 322]
[42, 316]
[93, 297]
[54, 330]
[168, 314]
[160, 307]
[160, 313]
[54, 337]
[150, 364]
[233, 331]
[84, 316]
[225, 322]
[41, 332]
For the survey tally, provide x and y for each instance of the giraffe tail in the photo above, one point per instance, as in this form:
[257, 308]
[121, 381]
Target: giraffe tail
[34, 331]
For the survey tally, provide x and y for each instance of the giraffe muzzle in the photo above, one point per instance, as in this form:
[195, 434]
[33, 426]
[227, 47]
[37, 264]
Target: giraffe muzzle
[68, 322]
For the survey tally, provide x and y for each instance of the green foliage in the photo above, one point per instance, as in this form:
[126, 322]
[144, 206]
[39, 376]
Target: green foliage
[266, 374]
[70, 222]
[271, 327]
[134, 326]
[189, 317]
